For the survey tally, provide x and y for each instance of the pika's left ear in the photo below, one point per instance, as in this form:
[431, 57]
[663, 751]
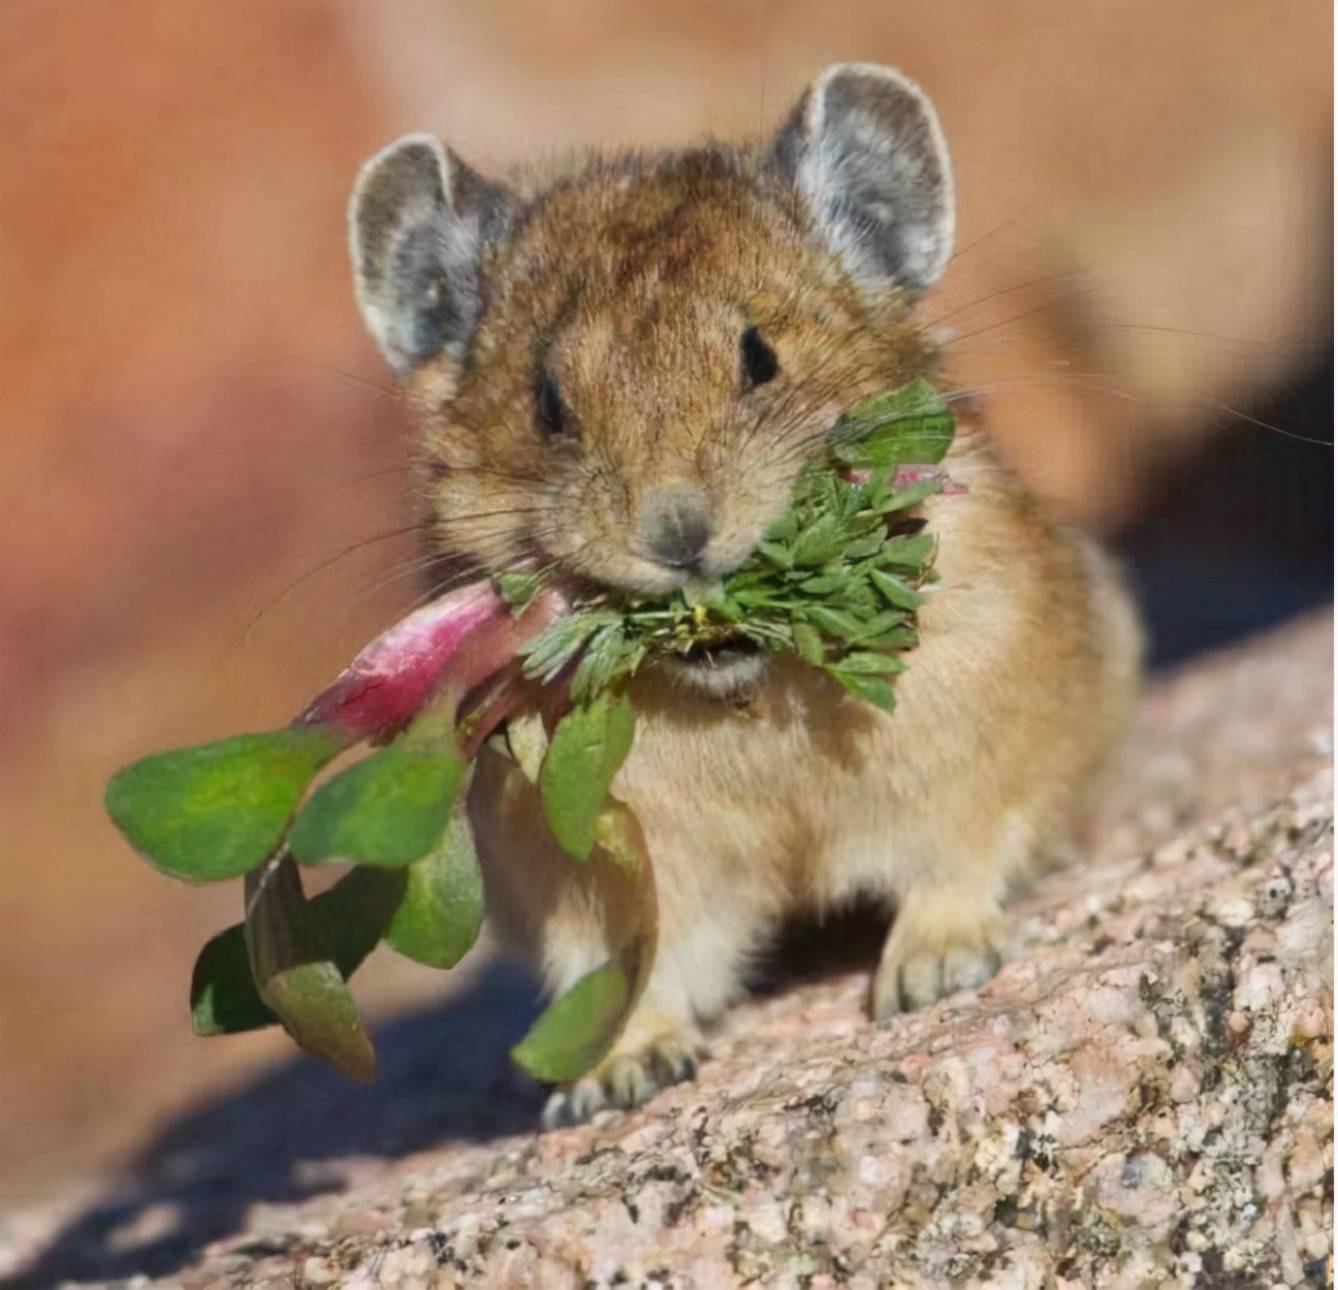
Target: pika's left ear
[865, 149]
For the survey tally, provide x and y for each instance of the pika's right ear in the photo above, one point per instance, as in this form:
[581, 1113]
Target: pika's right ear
[418, 222]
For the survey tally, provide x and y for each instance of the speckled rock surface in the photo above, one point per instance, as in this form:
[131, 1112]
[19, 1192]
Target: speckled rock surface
[1142, 1098]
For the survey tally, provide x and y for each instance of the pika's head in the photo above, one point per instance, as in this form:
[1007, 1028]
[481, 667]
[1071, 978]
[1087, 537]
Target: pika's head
[621, 370]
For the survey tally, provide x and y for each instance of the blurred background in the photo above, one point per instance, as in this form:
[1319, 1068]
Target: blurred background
[202, 465]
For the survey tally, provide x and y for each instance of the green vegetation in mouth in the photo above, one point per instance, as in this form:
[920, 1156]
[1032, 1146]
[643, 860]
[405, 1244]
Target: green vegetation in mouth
[836, 580]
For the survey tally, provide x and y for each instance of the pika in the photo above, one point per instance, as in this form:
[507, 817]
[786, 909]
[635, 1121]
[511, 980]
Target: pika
[620, 368]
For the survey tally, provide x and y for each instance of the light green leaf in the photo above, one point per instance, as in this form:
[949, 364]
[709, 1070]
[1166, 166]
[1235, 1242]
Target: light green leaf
[907, 426]
[351, 917]
[910, 550]
[588, 746]
[295, 973]
[216, 810]
[388, 809]
[777, 552]
[894, 590]
[912, 495]
[439, 917]
[578, 1028]
[868, 663]
[873, 689]
[518, 589]
[807, 642]
[835, 621]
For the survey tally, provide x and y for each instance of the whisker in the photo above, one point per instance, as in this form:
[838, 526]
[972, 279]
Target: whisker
[1263, 425]
[310, 573]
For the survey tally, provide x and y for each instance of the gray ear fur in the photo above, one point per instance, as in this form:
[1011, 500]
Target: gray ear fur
[865, 149]
[418, 221]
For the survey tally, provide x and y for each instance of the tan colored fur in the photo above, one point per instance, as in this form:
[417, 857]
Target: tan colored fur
[630, 281]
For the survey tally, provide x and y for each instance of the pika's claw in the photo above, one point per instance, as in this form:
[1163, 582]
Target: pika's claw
[933, 951]
[624, 1080]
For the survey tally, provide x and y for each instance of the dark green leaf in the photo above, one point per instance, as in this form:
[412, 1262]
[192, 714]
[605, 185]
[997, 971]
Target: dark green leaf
[587, 748]
[216, 810]
[439, 916]
[295, 972]
[351, 916]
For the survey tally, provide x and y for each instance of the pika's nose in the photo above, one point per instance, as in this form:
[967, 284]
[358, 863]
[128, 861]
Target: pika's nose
[675, 524]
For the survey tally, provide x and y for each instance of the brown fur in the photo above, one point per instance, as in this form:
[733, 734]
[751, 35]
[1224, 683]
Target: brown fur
[630, 282]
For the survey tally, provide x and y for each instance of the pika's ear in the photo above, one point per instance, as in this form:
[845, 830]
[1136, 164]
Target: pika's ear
[865, 149]
[418, 222]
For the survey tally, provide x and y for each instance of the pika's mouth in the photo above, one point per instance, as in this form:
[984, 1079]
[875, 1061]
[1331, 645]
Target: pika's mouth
[722, 667]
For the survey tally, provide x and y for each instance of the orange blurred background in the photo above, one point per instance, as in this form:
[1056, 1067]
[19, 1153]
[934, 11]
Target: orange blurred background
[202, 466]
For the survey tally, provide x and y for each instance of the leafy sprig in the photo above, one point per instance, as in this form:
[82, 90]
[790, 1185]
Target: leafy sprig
[836, 580]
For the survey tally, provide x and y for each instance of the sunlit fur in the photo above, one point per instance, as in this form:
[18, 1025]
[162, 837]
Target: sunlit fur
[630, 281]
[602, 286]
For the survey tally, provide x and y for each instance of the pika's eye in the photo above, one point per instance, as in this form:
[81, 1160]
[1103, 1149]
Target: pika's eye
[553, 415]
[757, 360]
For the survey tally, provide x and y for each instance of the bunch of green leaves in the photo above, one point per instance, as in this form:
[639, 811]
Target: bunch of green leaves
[836, 579]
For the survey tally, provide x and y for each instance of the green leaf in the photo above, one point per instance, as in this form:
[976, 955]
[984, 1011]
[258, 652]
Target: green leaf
[295, 972]
[899, 638]
[834, 621]
[439, 916]
[808, 642]
[820, 541]
[578, 1028]
[912, 495]
[907, 426]
[518, 589]
[868, 663]
[351, 916]
[894, 590]
[588, 746]
[389, 809]
[910, 550]
[874, 689]
[860, 548]
[216, 810]
[605, 657]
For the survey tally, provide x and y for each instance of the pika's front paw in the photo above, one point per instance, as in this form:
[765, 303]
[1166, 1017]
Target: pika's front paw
[932, 951]
[626, 1078]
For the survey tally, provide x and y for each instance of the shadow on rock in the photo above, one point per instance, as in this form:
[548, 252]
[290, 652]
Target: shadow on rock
[444, 1076]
